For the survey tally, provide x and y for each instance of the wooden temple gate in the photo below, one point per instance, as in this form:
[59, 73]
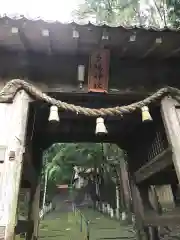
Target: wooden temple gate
[92, 67]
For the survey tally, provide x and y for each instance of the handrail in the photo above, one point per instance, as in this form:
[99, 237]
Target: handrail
[80, 218]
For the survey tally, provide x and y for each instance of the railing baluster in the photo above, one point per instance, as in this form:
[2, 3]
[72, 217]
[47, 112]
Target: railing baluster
[80, 222]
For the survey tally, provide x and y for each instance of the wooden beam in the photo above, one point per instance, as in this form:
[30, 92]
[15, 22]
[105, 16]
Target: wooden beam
[174, 52]
[51, 51]
[165, 219]
[61, 91]
[24, 40]
[127, 41]
[13, 130]
[47, 140]
[172, 127]
[154, 166]
[35, 188]
[155, 45]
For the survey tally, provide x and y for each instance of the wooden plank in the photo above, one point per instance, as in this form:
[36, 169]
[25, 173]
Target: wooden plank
[98, 75]
[156, 165]
[172, 127]
[165, 196]
[13, 130]
[166, 219]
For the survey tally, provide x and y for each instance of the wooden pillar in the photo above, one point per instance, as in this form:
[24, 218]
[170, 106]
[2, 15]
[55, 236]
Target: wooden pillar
[13, 124]
[138, 211]
[151, 232]
[171, 117]
[34, 211]
[36, 161]
[141, 206]
[154, 233]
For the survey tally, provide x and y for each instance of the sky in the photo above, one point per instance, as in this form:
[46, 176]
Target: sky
[48, 10]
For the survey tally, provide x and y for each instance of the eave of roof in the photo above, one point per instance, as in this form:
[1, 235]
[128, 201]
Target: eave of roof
[38, 35]
[91, 23]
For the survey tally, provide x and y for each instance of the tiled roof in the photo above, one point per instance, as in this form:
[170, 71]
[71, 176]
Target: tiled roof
[37, 35]
[85, 23]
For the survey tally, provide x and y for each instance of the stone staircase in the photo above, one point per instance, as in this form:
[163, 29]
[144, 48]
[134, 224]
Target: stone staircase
[61, 224]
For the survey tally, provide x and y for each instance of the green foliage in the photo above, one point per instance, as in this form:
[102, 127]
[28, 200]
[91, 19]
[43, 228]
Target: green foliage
[60, 159]
[174, 12]
[157, 13]
[108, 11]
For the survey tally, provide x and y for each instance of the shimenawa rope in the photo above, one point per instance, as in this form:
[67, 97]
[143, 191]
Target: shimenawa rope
[13, 86]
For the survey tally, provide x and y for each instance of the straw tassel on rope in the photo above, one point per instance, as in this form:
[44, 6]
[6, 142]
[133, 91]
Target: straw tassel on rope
[146, 117]
[53, 115]
[100, 126]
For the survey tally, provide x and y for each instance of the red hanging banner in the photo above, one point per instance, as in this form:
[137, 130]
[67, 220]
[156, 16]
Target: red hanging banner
[98, 76]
